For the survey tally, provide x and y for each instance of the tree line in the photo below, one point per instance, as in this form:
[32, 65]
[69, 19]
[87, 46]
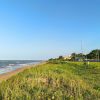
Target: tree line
[93, 55]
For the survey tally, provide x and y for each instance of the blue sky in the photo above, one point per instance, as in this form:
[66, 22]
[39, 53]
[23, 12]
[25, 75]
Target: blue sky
[41, 29]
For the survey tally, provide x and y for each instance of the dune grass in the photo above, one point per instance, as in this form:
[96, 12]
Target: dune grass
[54, 81]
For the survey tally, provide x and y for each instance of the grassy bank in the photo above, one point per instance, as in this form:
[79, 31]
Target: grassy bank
[54, 81]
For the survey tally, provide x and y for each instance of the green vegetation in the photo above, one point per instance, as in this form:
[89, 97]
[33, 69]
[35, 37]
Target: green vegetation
[94, 55]
[55, 80]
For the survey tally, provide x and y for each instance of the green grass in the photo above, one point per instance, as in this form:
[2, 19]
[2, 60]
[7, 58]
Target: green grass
[54, 81]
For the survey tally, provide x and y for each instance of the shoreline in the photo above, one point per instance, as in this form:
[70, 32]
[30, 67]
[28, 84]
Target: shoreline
[7, 75]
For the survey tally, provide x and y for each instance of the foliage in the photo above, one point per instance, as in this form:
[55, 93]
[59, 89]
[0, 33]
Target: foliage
[61, 58]
[77, 57]
[54, 81]
[94, 54]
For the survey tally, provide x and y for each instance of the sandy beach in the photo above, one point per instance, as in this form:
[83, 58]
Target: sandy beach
[9, 74]
[12, 73]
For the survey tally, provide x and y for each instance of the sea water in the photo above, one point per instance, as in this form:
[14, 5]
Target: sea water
[11, 65]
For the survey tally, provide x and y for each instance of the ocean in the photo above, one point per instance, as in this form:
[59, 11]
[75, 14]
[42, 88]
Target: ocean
[11, 65]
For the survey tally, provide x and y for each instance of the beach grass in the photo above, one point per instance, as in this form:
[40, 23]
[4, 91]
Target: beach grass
[57, 80]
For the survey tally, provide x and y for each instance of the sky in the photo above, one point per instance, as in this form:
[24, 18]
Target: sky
[42, 29]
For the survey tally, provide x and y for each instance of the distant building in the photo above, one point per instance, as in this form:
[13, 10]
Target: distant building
[67, 57]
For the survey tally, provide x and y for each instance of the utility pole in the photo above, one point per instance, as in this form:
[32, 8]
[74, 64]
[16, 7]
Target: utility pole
[81, 50]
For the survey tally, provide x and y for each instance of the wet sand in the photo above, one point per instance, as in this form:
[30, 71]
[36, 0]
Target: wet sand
[9, 74]
[6, 76]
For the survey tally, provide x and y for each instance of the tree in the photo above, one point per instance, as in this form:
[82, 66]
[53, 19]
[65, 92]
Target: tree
[77, 57]
[61, 58]
[94, 54]
[73, 56]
